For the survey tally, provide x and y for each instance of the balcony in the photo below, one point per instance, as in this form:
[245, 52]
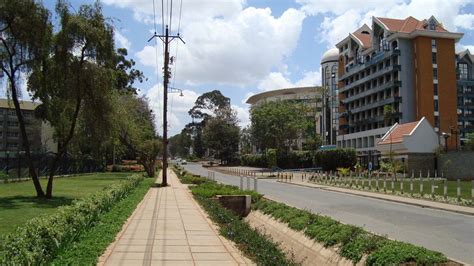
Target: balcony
[375, 75]
[377, 58]
[390, 84]
[369, 106]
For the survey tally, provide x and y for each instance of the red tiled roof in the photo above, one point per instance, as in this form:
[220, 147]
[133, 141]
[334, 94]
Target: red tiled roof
[364, 38]
[407, 25]
[396, 135]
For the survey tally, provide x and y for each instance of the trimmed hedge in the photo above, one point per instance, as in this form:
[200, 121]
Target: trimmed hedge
[353, 241]
[329, 160]
[40, 239]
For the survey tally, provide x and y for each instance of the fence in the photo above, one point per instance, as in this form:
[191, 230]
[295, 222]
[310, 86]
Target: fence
[15, 168]
[249, 176]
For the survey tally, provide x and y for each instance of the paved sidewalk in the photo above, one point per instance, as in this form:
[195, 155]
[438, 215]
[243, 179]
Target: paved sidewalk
[170, 228]
[394, 198]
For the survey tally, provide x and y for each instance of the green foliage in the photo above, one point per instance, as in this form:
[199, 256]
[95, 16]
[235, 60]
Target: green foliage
[344, 171]
[278, 124]
[254, 160]
[92, 243]
[295, 159]
[39, 240]
[395, 253]
[353, 241]
[211, 189]
[221, 135]
[271, 158]
[330, 160]
[469, 144]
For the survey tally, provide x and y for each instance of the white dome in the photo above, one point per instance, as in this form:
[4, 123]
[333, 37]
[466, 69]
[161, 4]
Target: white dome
[330, 55]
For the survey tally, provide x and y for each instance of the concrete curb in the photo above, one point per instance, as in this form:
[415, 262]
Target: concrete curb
[380, 197]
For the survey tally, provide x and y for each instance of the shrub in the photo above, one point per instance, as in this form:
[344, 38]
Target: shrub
[295, 159]
[38, 241]
[395, 253]
[254, 160]
[330, 160]
[271, 158]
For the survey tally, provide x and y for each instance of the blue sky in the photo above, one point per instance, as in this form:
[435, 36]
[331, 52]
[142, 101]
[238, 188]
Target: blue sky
[244, 47]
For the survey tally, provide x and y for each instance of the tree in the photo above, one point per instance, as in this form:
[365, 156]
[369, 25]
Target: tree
[25, 35]
[221, 135]
[136, 130]
[389, 113]
[77, 79]
[278, 124]
[246, 140]
[470, 141]
[180, 144]
[206, 106]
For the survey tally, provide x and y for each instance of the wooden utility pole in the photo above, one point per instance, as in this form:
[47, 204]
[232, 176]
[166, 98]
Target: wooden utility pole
[166, 39]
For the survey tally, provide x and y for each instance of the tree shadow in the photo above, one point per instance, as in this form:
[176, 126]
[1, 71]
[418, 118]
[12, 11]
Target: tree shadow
[16, 202]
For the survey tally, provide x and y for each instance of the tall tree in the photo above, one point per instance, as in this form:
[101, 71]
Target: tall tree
[278, 124]
[25, 35]
[221, 134]
[77, 79]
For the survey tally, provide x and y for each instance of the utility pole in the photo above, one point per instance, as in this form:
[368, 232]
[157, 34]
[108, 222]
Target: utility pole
[166, 39]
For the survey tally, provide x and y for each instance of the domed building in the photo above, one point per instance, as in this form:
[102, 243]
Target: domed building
[329, 114]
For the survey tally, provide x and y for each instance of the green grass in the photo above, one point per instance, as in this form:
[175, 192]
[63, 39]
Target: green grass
[92, 243]
[466, 187]
[19, 204]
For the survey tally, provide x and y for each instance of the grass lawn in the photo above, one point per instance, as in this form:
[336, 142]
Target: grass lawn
[439, 187]
[18, 203]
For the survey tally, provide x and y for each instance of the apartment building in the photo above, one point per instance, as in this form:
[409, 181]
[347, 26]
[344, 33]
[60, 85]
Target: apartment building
[396, 71]
[40, 135]
[465, 89]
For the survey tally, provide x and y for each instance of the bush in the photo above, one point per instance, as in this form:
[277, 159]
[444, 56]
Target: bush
[254, 160]
[295, 159]
[39, 240]
[330, 160]
[271, 158]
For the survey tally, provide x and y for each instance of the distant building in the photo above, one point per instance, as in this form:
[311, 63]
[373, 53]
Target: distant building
[465, 90]
[306, 95]
[39, 134]
[406, 64]
[330, 99]
[413, 143]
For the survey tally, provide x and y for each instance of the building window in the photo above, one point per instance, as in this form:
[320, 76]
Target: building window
[433, 58]
[435, 89]
[436, 119]
[435, 73]
[433, 43]
[436, 106]
[463, 71]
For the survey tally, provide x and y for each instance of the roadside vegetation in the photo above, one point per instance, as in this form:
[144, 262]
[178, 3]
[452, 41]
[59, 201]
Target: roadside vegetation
[352, 242]
[41, 239]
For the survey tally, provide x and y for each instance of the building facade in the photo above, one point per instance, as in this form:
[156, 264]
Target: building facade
[307, 95]
[330, 98]
[465, 89]
[39, 133]
[397, 71]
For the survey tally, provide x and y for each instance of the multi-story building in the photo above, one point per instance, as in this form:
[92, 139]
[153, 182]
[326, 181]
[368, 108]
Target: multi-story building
[307, 95]
[330, 100]
[398, 70]
[11, 142]
[465, 82]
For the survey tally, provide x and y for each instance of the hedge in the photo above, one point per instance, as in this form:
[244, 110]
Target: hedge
[326, 159]
[40, 239]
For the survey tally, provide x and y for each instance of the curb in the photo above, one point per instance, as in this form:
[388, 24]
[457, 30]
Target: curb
[328, 188]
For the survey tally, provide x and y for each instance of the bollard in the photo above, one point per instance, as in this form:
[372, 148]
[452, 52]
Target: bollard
[401, 184]
[385, 184]
[445, 189]
[393, 185]
[472, 193]
[436, 173]
[377, 184]
[432, 188]
[421, 185]
[411, 185]
[370, 183]
[255, 183]
[241, 183]
[458, 189]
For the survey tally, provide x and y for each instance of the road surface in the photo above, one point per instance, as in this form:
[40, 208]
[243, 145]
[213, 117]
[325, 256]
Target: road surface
[447, 232]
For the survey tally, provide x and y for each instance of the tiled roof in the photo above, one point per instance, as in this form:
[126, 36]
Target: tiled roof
[397, 133]
[407, 25]
[364, 38]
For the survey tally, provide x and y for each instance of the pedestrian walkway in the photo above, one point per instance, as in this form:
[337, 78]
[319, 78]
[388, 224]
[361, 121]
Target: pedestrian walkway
[170, 228]
[394, 198]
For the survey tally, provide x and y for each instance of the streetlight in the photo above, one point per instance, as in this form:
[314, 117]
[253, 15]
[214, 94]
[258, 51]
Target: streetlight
[445, 136]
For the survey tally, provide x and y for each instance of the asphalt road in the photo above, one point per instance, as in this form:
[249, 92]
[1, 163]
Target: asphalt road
[450, 233]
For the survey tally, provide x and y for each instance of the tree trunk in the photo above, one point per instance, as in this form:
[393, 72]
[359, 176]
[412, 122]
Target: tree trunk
[25, 142]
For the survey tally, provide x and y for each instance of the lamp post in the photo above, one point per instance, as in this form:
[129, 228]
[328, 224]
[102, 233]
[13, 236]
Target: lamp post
[445, 136]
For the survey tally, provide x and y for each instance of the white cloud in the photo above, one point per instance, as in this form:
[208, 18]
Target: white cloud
[342, 17]
[277, 80]
[122, 40]
[238, 50]
[462, 47]
[465, 21]
[242, 115]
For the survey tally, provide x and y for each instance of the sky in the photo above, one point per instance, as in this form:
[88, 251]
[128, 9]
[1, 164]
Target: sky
[244, 47]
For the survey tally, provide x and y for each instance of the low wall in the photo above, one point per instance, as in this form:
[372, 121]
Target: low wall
[457, 165]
